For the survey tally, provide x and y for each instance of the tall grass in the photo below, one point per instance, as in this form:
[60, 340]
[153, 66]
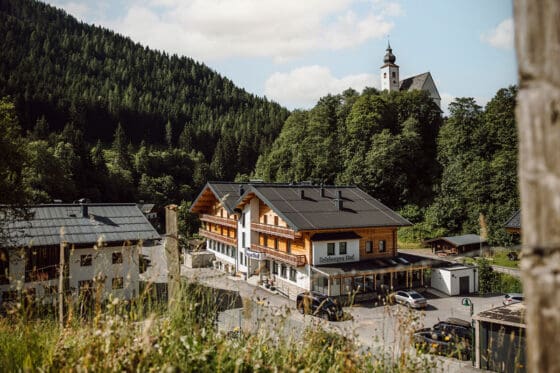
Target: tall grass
[146, 336]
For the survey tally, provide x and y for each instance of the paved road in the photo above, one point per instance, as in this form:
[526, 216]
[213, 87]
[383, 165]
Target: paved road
[427, 253]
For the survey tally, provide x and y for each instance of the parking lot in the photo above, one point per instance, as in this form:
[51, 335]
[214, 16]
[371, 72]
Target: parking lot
[385, 327]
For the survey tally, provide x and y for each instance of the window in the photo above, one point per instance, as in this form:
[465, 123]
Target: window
[330, 248]
[265, 219]
[369, 246]
[274, 268]
[243, 220]
[117, 258]
[85, 287]
[85, 260]
[293, 274]
[382, 246]
[276, 220]
[117, 283]
[342, 248]
[283, 271]
[384, 75]
[288, 246]
[265, 240]
[221, 213]
[243, 239]
[276, 244]
[394, 74]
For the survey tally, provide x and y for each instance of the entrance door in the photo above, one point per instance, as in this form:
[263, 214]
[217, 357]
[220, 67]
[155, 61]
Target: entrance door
[464, 285]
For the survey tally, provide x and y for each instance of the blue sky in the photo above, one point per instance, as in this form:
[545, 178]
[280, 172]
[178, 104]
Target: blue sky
[296, 51]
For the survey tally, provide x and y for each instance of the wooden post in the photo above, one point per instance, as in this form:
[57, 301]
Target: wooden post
[172, 255]
[537, 40]
[61, 285]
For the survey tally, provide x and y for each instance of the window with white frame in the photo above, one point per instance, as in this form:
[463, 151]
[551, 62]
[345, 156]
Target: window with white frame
[382, 246]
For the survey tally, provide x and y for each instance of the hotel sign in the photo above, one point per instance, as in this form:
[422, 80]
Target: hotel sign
[254, 255]
[336, 259]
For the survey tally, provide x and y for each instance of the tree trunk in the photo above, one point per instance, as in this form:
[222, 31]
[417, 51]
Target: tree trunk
[538, 115]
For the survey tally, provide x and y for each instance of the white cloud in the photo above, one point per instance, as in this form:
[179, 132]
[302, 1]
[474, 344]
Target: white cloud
[78, 10]
[302, 87]
[501, 36]
[447, 98]
[279, 29]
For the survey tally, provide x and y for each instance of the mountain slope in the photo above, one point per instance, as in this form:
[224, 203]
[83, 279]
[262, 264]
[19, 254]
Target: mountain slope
[68, 71]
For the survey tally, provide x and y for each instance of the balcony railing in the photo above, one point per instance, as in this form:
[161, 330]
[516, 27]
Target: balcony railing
[274, 230]
[291, 259]
[218, 220]
[218, 237]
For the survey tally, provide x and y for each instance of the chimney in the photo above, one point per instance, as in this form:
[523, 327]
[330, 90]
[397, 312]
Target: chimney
[83, 204]
[339, 194]
[302, 193]
[241, 190]
[322, 191]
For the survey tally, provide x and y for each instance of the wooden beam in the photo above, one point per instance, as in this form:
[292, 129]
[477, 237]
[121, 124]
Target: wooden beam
[537, 40]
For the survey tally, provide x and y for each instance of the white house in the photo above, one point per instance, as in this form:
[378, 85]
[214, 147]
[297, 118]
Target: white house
[101, 247]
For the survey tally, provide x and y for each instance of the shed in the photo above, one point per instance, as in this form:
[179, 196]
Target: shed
[455, 280]
[500, 343]
[513, 225]
[456, 244]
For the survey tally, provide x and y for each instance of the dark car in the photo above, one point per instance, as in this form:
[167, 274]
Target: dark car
[440, 343]
[317, 304]
[456, 327]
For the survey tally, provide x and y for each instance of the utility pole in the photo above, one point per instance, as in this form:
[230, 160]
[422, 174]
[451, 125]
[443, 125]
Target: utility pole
[61, 285]
[172, 255]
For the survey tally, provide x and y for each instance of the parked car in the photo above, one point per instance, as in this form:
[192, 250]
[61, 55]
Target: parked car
[512, 298]
[318, 304]
[441, 343]
[459, 329]
[411, 298]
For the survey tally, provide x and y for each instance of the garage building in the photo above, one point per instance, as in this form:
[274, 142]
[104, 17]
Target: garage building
[455, 280]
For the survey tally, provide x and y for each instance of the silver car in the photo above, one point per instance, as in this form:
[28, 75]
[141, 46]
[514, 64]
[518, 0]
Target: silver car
[512, 298]
[411, 298]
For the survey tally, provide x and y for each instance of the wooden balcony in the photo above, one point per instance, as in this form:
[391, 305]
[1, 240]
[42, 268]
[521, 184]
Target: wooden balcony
[218, 220]
[291, 259]
[274, 230]
[218, 237]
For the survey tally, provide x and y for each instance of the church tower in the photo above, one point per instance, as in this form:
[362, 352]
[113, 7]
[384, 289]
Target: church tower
[389, 71]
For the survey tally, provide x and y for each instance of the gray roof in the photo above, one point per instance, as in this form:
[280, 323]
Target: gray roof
[513, 314]
[228, 193]
[414, 82]
[105, 222]
[146, 208]
[515, 221]
[467, 239]
[359, 209]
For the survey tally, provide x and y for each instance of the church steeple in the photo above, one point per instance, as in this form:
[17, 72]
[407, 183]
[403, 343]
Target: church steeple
[389, 71]
[389, 56]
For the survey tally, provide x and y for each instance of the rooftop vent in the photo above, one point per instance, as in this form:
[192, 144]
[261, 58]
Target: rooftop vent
[302, 193]
[322, 191]
[241, 190]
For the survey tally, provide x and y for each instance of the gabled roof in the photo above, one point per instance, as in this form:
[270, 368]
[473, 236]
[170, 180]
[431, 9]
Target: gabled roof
[226, 192]
[467, 239]
[103, 222]
[146, 208]
[312, 212]
[515, 221]
[414, 82]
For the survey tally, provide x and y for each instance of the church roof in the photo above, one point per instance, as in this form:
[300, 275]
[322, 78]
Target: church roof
[414, 82]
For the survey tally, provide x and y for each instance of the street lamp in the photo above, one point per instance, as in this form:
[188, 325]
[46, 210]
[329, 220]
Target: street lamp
[468, 303]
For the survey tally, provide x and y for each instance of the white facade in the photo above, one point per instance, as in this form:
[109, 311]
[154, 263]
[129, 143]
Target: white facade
[390, 78]
[448, 280]
[321, 255]
[115, 267]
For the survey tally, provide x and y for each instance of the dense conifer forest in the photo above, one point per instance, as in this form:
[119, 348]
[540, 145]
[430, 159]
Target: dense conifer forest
[85, 112]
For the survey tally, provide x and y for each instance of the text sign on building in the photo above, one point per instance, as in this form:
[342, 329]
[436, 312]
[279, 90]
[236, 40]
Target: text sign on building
[322, 255]
[254, 255]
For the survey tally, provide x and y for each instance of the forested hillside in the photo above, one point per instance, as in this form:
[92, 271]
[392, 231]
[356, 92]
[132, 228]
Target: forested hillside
[447, 176]
[112, 120]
